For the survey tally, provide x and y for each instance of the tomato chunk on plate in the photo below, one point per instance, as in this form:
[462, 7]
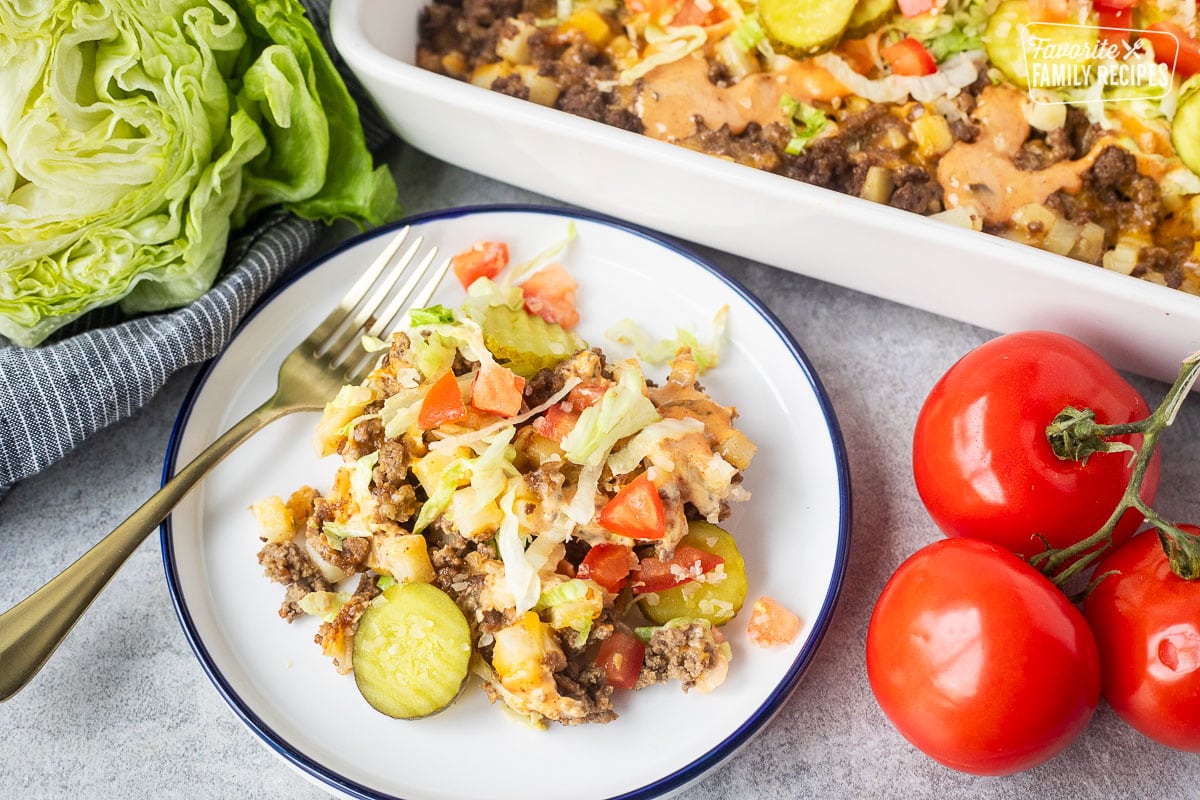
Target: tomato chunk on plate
[635, 511]
[621, 656]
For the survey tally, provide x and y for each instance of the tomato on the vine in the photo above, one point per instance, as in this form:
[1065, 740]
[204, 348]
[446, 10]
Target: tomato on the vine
[981, 460]
[979, 660]
[1147, 625]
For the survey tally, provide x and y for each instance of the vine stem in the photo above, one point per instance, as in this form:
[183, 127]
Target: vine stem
[1077, 433]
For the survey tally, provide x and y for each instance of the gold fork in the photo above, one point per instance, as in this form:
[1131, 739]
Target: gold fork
[309, 377]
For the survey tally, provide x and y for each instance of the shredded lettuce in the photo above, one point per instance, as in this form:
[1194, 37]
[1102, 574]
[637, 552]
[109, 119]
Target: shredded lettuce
[623, 410]
[360, 479]
[337, 532]
[346, 407]
[520, 577]
[749, 34]
[574, 604]
[648, 439]
[432, 354]
[486, 474]
[430, 315]
[519, 270]
[958, 28]
[807, 123]
[139, 133]
[400, 411]
[452, 477]
[668, 46]
[661, 351]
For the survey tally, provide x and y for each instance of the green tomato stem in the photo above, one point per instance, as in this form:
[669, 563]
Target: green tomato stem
[1075, 434]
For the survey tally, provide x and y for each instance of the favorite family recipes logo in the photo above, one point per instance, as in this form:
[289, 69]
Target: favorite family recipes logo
[1108, 65]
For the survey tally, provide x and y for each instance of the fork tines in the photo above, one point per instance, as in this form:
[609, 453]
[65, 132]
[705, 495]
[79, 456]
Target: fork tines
[337, 339]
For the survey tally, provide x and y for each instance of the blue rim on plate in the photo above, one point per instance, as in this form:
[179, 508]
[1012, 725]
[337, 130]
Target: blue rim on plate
[672, 782]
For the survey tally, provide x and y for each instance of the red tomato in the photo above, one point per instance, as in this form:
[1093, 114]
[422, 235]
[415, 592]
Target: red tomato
[978, 659]
[909, 57]
[550, 293]
[483, 260]
[556, 423]
[621, 655]
[443, 403]
[1114, 5]
[608, 565]
[635, 511]
[914, 8]
[1147, 625]
[1114, 24]
[693, 14]
[656, 574]
[1174, 45]
[497, 390]
[981, 461]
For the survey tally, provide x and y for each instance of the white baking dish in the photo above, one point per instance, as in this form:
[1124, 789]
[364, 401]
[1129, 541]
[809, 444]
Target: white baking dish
[920, 262]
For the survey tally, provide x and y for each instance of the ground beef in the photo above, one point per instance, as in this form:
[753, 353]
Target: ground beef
[916, 190]
[823, 163]
[585, 365]
[1113, 183]
[757, 146]
[287, 563]
[354, 549]
[364, 438]
[1167, 261]
[396, 499]
[682, 654]
[589, 686]
[511, 85]
[336, 637]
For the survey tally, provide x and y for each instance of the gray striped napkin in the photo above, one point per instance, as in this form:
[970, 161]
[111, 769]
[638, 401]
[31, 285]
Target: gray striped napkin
[102, 369]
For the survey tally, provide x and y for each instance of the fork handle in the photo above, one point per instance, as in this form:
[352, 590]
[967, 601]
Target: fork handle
[33, 629]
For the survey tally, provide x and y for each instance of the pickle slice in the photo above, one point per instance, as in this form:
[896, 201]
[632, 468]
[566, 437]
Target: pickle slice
[412, 651]
[1003, 40]
[716, 601]
[526, 343]
[802, 28]
[868, 15]
[1185, 128]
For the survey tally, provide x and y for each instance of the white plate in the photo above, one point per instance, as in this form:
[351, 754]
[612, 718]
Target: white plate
[794, 534]
[974, 277]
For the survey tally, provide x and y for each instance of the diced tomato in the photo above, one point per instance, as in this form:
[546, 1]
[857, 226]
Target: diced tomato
[443, 403]
[635, 511]
[1114, 5]
[1174, 45]
[497, 390]
[656, 575]
[550, 293]
[585, 394]
[699, 12]
[1049, 10]
[608, 565]
[556, 423]
[621, 656]
[915, 8]
[772, 624]
[483, 260]
[1114, 25]
[909, 57]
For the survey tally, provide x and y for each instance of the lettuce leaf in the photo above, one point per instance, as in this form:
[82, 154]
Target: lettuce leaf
[623, 410]
[138, 135]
